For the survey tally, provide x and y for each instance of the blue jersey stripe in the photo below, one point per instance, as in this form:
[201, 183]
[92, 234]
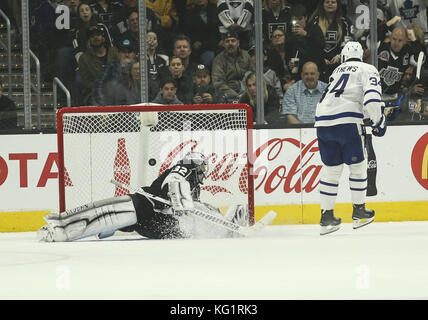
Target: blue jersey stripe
[328, 194]
[328, 184]
[340, 115]
[357, 180]
[373, 90]
[358, 189]
[371, 100]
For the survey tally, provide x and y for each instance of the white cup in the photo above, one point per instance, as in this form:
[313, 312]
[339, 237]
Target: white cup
[295, 62]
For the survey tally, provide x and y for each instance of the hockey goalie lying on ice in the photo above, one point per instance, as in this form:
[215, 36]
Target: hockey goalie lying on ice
[169, 208]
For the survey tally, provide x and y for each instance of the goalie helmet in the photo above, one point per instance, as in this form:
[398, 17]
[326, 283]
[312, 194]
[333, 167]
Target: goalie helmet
[197, 163]
[352, 50]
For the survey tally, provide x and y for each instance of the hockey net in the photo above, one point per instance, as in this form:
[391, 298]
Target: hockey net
[135, 144]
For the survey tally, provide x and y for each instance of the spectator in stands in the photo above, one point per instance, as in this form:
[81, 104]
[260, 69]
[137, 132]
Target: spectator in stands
[237, 16]
[166, 13]
[203, 90]
[278, 58]
[305, 42]
[112, 74]
[129, 91]
[301, 99]
[182, 48]
[336, 29]
[183, 83]
[155, 62]
[64, 63]
[132, 31]
[97, 55]
[201, 25]
[413, 105]
[167, 93]
[44, 41]
[105, 11]
[310, 5]
[416, 38]
[270, 98]
[8, 112]
[275, 15]
[85, 21]
[269, 75]
[394, 56]
[229, 68]
[121, 17]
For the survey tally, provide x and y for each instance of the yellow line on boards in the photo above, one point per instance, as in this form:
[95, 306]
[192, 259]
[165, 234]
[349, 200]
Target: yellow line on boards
[287, 214]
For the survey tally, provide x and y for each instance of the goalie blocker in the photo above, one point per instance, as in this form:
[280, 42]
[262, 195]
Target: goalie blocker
[180, 185]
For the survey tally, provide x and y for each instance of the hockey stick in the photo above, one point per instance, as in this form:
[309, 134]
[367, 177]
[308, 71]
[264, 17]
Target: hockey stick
[246, 231]
[371, 167]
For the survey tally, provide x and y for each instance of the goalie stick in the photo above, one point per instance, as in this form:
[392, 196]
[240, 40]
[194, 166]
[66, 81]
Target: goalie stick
[246, 231]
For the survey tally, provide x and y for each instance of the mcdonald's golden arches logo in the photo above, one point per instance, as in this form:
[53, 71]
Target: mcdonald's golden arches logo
[420, 161]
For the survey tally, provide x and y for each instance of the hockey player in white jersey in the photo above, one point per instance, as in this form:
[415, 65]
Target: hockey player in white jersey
[149, 216]
[354, 90]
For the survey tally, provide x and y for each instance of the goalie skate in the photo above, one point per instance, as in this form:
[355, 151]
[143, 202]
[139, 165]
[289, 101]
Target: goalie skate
[362, 216]
[329, 223]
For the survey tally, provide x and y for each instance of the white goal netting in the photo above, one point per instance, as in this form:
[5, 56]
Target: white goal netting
[134, 145]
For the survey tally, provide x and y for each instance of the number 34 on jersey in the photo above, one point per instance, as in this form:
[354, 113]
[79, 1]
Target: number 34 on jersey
[353, 85]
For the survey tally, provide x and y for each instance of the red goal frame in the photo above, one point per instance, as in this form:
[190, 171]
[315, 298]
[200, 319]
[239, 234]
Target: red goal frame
[154, 108]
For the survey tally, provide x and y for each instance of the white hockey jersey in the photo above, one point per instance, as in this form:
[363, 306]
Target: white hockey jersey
[410, 11]
[354, 90]
[238, 12]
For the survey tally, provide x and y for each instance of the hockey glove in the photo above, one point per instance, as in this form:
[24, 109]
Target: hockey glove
[391, 109]
[379, 129]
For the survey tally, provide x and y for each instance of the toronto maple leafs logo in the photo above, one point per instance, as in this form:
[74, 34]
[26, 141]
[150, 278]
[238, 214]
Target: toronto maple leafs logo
[409, 11]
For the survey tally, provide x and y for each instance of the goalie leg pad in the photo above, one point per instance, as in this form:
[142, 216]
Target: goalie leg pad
[100, 217]
[197, 227]
[238, 214]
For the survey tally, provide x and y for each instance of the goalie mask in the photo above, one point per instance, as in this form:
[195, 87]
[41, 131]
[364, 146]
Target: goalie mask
[198, 164]
[352, 50]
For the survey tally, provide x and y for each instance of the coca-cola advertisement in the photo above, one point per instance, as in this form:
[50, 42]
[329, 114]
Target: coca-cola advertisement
[284, 163]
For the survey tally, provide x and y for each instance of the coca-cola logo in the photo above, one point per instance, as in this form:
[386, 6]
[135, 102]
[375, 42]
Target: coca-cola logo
[301, 175]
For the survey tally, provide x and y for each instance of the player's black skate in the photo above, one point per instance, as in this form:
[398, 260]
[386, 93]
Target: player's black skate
[362, 216]
[329, 223]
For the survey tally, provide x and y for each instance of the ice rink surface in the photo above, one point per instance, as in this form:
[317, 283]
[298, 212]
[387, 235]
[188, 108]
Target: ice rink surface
[379, 261]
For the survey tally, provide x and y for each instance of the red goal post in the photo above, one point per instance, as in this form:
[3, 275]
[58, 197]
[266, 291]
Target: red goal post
[135, 144]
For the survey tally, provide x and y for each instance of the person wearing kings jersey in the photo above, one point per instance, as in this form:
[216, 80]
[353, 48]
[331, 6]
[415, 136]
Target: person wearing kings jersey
[354, 90]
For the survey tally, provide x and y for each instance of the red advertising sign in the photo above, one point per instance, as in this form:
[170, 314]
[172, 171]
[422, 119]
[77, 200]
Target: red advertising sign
[420, 161]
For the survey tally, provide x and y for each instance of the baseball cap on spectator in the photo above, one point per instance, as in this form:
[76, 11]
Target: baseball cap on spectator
[125, 46]
[230, 34]
[202, 70]
[95, 30]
